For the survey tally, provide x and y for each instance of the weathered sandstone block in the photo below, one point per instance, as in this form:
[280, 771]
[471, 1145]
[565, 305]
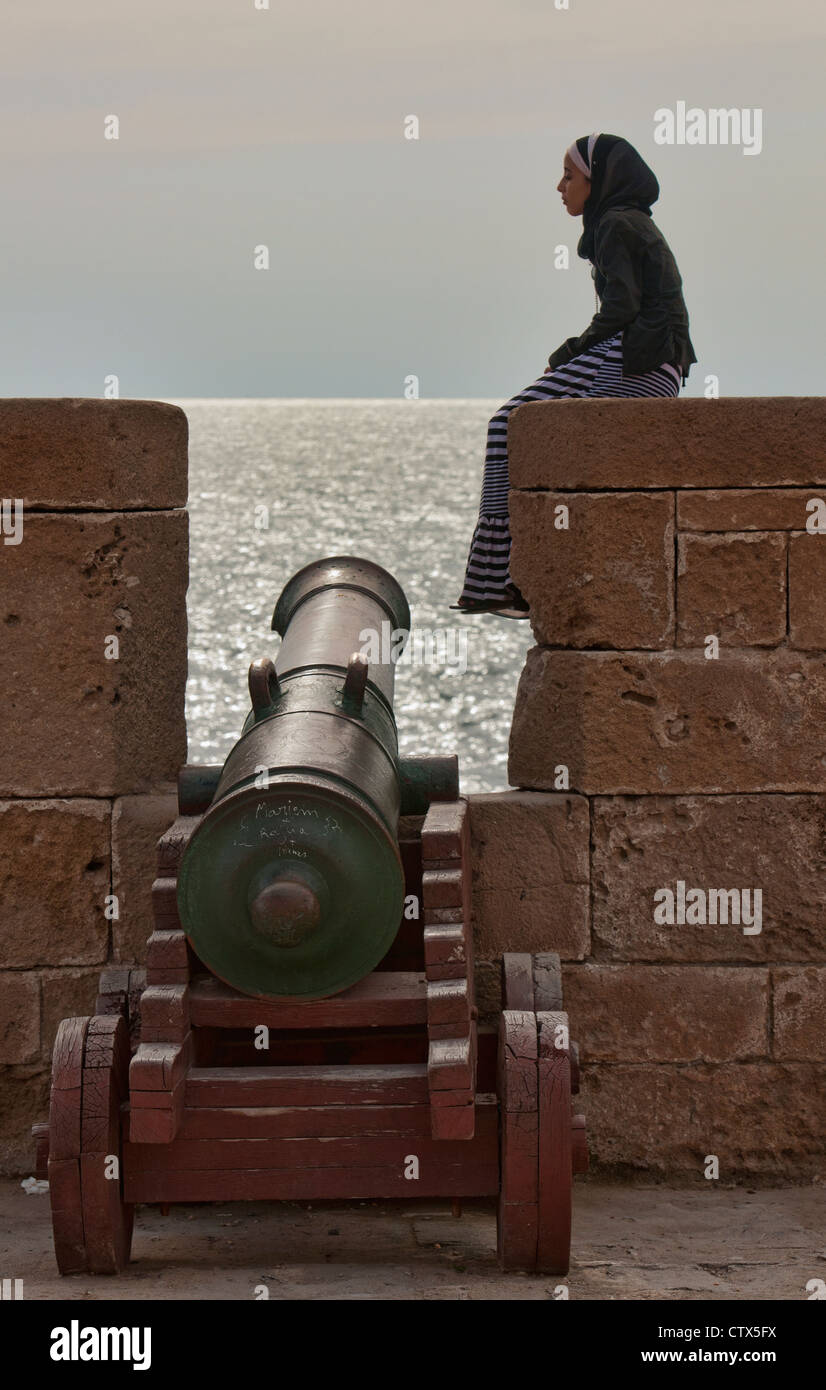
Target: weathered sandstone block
[54, 878]
[807, 591]
[137, 824]
[606, 580]
[65, 994]
[19, 1016]
[747, 509]
[93, 454]
[530, 873]
[668, 1013]
[72, 721]
[731, 586]
[761, 1119]
[24, 1101]
[774, 441]
[799, 998]
[766, 842]
[661, 722]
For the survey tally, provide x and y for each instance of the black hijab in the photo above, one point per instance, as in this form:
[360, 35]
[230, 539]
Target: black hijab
[620, 178]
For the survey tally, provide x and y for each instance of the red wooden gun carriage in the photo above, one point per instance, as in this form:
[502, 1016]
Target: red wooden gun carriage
[305, 1027]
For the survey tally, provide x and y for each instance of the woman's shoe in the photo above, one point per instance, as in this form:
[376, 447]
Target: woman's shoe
[513, 605]
[516, 601]
[510, 612]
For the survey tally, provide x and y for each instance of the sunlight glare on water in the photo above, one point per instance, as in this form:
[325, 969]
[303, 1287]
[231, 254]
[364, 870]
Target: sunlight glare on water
[397, 482]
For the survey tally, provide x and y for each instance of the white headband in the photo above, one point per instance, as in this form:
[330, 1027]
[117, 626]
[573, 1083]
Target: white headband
[576, 158]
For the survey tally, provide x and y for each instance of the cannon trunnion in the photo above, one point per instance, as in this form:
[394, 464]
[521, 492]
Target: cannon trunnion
[307, 1022]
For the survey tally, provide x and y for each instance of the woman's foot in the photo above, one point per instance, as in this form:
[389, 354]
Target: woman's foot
[511, 605]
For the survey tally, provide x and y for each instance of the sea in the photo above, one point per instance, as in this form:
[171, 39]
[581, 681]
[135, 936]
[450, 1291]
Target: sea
[275, 484]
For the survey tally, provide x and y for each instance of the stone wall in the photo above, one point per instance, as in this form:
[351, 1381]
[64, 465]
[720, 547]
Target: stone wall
[91, 730]
[670, 725]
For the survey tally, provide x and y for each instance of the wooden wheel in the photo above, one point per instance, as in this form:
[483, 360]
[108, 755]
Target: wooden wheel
[517, 1212]
[119, 992]
[107, 1220]
[542, 1144]
[91, 1223]
[517, 981]
[547, 982]
[531, 982]
[553, 1246]
[64, 1146]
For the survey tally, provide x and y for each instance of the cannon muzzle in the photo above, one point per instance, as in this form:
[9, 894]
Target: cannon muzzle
[292, 885]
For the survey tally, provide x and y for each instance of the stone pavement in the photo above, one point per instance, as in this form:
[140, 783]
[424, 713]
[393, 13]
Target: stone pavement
[630, 1243]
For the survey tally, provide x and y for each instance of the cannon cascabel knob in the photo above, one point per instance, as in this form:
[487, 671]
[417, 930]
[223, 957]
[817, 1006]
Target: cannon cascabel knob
[285, 912]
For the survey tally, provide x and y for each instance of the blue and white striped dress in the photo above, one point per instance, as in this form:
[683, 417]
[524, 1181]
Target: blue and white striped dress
[597, 372]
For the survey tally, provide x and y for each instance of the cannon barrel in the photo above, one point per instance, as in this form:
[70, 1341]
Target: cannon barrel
[292, 884]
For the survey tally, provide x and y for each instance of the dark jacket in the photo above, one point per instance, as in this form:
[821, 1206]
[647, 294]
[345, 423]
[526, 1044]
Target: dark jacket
[635, 274]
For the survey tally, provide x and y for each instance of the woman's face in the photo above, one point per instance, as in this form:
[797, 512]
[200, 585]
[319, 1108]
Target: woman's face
[574, 186]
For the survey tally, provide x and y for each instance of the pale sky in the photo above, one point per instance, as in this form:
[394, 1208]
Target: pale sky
[389, 257]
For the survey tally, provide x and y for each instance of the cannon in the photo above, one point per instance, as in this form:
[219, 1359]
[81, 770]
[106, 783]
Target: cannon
[292, 884]
[306, 1025]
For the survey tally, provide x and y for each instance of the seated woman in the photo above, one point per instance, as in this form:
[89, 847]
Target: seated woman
[637, 344]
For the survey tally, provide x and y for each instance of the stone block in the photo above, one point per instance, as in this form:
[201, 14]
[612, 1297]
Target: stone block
[137, 824]
[487, 975]
[606, 580]
[19, 1016]
[661, 1121]
[530, 873]
[746, 509]
[807, 591]
[767, 842]
[799, 1014]
[65, 994]
[93, 454]
[646, 722]
[757, 441]
[24, 1101]
[72, 721]
[668, 1013]
[54, 878]
[733, 587]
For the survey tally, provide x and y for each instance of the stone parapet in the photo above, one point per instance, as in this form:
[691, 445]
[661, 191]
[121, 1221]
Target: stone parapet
[93, 643]
[674, 556]
[74, 454]
[93, 577]
[739, 442]
[654, 722]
